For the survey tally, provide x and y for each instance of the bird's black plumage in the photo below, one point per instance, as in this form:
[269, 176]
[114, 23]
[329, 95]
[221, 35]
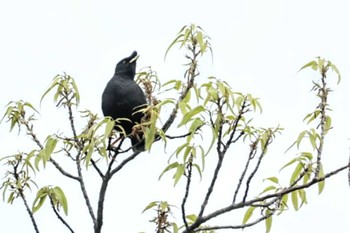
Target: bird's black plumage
[122, 97]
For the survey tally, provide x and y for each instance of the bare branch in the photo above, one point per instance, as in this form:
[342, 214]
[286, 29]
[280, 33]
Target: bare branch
[97, 168]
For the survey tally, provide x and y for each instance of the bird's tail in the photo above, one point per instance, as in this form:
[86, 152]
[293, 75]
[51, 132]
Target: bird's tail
[138, 144]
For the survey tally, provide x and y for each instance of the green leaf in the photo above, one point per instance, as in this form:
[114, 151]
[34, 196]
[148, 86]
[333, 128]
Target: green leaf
[179, 173]
[321, 183]
[175, 228]
[90, 150]
[109, 127]
[50, 146]
[312, 64]
[295, 200]
[198, 169]
[11, 198]
[296, 173]
[248, 214]
[53, 84]
[59, 194]
[302, 195]
[196, 123]
[268, 221]
[335, 69]
[180, 148]
[312, 116]
[271, 187]
[202, 45]
[274, 179]
[328, 124]
[169, 167]
[40, 199]
[191, 217]
[284, 202]
[300, 138]
[307, 155]
[150, 205]
[176, 40]
[75, 88]
[188, 116]
[186, 36]
[163, 205]
[289, 163]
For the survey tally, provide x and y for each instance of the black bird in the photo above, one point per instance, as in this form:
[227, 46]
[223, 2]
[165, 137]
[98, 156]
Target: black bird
[122, 97]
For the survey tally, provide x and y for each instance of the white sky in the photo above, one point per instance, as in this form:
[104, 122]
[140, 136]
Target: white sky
[258, 48]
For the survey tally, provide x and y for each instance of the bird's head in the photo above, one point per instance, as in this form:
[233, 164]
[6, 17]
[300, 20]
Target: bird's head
[127, 65]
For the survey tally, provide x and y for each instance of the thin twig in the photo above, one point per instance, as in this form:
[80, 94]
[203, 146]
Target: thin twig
[263, 151]
[216, 173]
[97, 168]
[251, 155]
[29, 212]
[78, 160]
[187, 191]
[60, 217]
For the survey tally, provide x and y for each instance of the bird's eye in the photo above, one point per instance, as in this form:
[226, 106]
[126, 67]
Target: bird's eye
[124, 62]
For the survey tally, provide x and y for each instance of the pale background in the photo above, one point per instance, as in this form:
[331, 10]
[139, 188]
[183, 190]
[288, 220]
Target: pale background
[258, 48]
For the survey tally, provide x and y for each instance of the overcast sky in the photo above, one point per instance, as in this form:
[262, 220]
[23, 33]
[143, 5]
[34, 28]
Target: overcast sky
[258, 48]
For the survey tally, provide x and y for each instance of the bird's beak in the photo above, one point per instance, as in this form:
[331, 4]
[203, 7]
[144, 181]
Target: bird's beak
[134, 59]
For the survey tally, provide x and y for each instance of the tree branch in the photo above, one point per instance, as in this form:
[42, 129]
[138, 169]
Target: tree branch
[242, 204]
[235, 226]
[187, 190]
[21, 194]
[216, 171]
[323, 96]
[36, 140]
[252, 152]
[59, 216]
[257, 166]
[78, 159]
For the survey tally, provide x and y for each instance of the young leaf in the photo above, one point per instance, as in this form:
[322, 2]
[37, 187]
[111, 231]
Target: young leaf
[271, 187]
[297, 171]
[248, 214]
[177, 39]
[268, 221]
[312, 64]
[175, 228]
[188, 116]
[274, 179]
[169, 167]
[191, 217]
[335, 69]
[179, 173]
[150, 205]
[40, 199]
[59, 194]
[321, 183]
[295, 200]
[289, 163]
